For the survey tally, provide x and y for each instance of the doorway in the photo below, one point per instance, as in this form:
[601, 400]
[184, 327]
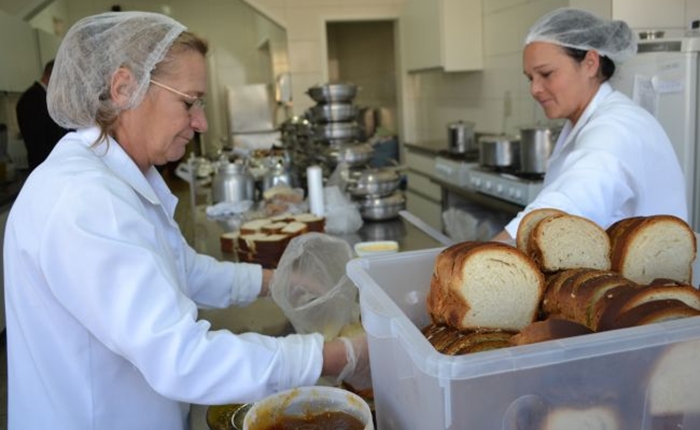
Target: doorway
[364, 53]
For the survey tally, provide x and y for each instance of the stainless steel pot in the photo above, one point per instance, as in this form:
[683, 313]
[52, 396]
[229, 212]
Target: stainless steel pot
[232, 182]
[536, 144]
[379, 208]
[460, 137]
[337, 131]
[333, 93]
[353, 154]
[499, 151]
[373, 182]
[333, 112]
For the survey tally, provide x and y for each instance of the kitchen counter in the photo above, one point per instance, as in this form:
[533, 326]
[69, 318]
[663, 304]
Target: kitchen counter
[429, 147]
[263, 316]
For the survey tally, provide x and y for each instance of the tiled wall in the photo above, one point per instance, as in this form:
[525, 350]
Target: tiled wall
[497, 99]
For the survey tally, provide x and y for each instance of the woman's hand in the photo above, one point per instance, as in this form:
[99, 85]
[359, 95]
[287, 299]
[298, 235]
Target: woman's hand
[266, 278]
[347, 358]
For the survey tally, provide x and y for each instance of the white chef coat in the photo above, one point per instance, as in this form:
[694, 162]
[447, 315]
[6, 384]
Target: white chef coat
[615, 163]
[102, 293]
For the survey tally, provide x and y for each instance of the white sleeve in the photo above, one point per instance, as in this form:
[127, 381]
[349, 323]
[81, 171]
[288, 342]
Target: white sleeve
[109, 265]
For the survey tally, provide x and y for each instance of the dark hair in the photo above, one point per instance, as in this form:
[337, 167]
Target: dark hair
[607, 66]
[48, 68]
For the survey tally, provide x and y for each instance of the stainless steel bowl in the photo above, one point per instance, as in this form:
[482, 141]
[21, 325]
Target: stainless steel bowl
[373, 182]
[339, 131]
[353, 154]
[333, 93]
[382, 208]
[333, 112]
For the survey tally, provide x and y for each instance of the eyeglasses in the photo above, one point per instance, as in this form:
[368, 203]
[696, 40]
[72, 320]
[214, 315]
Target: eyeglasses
[191, 102]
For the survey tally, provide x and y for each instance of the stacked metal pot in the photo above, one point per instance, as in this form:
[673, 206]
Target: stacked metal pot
[337, 137]
[336, 130]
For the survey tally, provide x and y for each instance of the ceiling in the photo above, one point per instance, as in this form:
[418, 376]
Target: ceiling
[25, 9]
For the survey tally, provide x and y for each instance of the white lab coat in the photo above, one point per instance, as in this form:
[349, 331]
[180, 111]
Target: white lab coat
[102, 293]
[617, 162]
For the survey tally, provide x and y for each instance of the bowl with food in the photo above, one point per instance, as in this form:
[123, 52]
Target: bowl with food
[312, 408]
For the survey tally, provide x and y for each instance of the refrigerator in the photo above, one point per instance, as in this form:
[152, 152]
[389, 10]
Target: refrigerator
[253, 116]
[663, 79]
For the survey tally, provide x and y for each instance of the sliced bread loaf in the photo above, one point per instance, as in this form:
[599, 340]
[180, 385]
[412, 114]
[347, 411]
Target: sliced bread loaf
[559, 242]
[660, 246]
[549, 329]
[528, 222]
[485, 285]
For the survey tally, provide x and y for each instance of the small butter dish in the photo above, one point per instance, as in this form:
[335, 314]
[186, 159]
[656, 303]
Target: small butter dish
[378, 247]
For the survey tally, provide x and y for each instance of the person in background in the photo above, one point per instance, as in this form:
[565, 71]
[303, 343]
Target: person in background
[102, 289]
[39, 132]
[612, 159]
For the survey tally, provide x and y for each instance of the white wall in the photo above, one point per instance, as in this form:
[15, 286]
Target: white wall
[436, 98]
[235, 32]
[305, 23]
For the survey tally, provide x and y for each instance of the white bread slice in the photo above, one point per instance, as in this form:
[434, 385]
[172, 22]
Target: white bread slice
[273, 227]
[254, 226]
[592, 418]
[674, 381]
[295, 228]
[314, 222]
[560, 242]
[485, 285]
[660, 246]
[529, 221]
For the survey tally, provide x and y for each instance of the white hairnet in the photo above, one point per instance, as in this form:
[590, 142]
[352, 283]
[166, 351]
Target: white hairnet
[578, 29]
[96, 47]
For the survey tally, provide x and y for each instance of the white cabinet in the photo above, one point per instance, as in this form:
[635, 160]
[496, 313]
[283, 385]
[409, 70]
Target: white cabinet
[423, 197]
[443, 34]
[19, 54]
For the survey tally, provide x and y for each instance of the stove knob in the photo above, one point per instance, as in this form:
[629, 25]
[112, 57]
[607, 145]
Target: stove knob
[476, 182]
[518, 194]
[499, 189]
[488, 185]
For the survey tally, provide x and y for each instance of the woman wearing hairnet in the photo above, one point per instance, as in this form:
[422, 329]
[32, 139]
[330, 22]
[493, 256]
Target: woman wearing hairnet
[612, 159]
[102, 289]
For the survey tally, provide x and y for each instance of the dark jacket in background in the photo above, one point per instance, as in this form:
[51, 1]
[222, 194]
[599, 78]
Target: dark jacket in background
[39, 131]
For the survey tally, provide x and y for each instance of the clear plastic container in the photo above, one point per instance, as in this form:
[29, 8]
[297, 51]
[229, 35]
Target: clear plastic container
[417, 388]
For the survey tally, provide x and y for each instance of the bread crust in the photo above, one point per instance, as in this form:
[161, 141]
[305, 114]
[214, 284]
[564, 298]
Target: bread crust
[629, 237]
[528, 222]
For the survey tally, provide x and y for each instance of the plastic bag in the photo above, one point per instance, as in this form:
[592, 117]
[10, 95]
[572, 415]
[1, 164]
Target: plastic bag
[311, 287]
[342, 215]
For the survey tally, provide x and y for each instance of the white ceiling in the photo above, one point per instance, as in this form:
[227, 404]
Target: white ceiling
[25, 9]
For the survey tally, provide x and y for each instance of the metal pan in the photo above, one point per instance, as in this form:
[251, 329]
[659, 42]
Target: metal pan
[333, 112]
[333, 93]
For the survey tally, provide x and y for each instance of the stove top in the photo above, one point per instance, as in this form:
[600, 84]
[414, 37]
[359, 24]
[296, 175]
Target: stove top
[504, 184]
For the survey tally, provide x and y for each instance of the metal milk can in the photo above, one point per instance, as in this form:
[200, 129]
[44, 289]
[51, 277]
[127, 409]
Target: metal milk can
[232, 182]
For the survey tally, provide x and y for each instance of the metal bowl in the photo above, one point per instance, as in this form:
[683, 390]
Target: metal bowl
[339, 131]
[373, 182]
[333, 112]
[353, 154]
[333, 93]
[382, 208]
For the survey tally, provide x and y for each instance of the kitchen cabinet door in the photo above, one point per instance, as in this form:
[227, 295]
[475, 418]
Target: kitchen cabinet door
[444, 34]
[19, 54]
